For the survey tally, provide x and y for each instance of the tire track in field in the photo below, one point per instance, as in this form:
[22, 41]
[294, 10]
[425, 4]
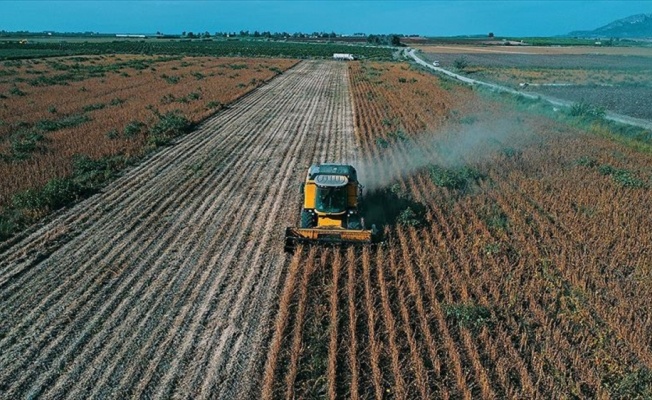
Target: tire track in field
[166, 282]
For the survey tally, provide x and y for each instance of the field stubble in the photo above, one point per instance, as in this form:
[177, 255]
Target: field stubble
[163, 284]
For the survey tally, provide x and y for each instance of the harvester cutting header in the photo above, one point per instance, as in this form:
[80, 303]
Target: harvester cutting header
[331, 209]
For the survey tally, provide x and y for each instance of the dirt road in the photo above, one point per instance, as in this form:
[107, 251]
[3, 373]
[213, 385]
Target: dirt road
[165, 284]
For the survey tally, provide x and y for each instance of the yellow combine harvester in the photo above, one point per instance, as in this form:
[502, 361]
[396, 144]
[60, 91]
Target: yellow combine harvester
[331, 209]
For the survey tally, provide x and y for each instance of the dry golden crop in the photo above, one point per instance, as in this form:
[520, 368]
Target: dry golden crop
[54, 109]
[522, 272]
[516, 260]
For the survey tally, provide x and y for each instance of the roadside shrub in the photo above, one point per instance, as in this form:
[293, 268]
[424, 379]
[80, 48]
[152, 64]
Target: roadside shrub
[10, 222]
[55, 194]
[461, 63]
[87, 177]
[214, 104]
[586, 110]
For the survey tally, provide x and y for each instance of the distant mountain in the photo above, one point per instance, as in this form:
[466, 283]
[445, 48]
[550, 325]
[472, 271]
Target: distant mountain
[636, 26]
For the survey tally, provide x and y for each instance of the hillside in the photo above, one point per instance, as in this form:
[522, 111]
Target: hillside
[636, 26]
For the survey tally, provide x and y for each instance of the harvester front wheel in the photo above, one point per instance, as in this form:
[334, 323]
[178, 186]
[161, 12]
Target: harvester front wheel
[307, 219]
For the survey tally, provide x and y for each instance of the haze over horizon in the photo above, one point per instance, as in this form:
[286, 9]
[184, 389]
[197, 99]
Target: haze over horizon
[428, 18]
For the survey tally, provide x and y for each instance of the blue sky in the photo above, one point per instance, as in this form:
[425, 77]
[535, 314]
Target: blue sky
[436, 18]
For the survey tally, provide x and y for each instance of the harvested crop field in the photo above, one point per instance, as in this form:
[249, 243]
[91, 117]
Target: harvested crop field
[496, 279]
[165, 284]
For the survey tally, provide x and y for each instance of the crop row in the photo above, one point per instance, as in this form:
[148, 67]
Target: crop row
[500, 280]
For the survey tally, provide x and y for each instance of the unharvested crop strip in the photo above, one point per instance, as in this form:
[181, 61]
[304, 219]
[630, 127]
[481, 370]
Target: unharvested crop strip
[353, 346]
[374, 345]
[295, 351]
[333, 329]
[387, 315]
[415, 355]
[416, 293]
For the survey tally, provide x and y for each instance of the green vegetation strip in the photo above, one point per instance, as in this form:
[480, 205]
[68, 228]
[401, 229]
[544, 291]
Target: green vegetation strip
[222, 48]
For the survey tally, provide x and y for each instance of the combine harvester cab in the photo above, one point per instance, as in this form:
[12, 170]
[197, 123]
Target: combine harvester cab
[331, 209]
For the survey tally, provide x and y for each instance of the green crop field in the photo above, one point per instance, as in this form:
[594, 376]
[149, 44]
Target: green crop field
[222, 48]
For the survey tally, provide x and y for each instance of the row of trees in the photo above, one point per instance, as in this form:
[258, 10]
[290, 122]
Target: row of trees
[393, 40]
[265, 34]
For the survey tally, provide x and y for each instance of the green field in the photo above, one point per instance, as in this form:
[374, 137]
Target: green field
[13, 49]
